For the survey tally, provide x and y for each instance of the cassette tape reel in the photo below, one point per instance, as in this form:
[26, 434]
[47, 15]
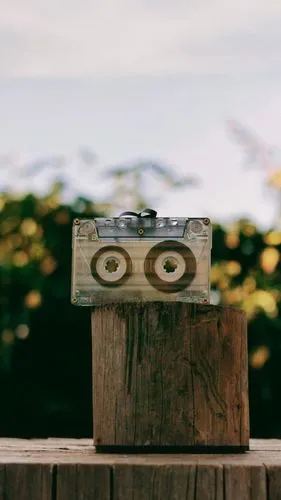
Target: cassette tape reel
[170, 266]
[118, 259]
[111, 266]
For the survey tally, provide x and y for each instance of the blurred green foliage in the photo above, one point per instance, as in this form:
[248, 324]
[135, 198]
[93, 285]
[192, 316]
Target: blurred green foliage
[45, 348]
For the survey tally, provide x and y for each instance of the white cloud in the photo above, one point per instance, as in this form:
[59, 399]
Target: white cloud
[122, 37]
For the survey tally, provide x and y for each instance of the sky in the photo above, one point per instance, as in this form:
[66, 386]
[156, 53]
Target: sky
[144, 80]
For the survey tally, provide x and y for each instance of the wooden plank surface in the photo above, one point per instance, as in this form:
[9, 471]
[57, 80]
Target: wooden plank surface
[86, 482]
[56, 451]
[209, 483]
[149, 483]
[62, 469]
[245, 482]
[2, 481]
[274, 482]
[28, 482]
[160, 385]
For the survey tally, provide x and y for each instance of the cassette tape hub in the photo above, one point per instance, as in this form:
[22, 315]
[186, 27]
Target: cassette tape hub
[140, 259]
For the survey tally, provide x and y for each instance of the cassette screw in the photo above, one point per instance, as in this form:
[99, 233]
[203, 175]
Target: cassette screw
[140, 231]
[74, 300]
[206, 221]
[77, 221]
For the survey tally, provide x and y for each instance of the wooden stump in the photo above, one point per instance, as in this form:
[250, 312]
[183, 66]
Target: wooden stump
[170, 377]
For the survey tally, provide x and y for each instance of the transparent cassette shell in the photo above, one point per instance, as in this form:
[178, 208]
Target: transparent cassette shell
[140, 259]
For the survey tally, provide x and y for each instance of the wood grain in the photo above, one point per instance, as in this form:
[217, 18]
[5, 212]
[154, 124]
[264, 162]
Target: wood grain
[154, 483]
[66, 482]
[244, 482]
[59, 469]
[83, 482]
[2, 482]
[209, 483]
[274, 482]
[170, 374]
[28, 482]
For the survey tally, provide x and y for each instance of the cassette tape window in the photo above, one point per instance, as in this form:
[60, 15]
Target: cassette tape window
[140, 259]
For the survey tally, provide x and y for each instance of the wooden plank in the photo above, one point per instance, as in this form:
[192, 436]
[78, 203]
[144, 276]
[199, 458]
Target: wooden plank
[83, 482]
[245, 483]
[48, 444]
[265, 445]
[66, 482]
[94, 483]
[170, 374]
[219, 344]
[87, 444]
[255, 458]
[154, 483]
[274, 482]
[28, 482]
[2, 482]
[209, 483]
[16, 451]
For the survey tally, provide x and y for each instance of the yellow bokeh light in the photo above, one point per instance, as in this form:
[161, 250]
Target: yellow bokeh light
[8, 336]
[233, 296]
[16, 240]
[259, 357]
[223, 283]
[216, 274]
[272, 238]
[33, 299]
[20, 259]
[269, 259]
[39, 233]
[232, 239]
[52, 202]
[249, 229]
[36, 251]
[261, 300]
[9, 224]
[249, 285]
[5, 248]
[22, 331]
[28, 227]
[233, 268]
[48, 265]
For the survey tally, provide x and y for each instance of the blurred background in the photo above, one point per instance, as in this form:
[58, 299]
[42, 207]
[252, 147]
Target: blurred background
[114, 105]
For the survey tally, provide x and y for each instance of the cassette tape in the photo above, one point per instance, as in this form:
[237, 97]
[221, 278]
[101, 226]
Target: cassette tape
[134, 259]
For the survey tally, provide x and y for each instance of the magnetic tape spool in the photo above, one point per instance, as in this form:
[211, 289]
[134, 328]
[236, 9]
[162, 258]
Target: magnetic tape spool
[111, 266]
[170, 266]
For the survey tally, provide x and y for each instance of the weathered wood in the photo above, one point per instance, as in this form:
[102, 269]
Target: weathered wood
[83, 482]
[139, 482]
[59, 469]
[2, 482]
[82, 451]
[209, 483]
[170, 374]
[244, 482]
[274, 482]
[28, 482]
[66, 482]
